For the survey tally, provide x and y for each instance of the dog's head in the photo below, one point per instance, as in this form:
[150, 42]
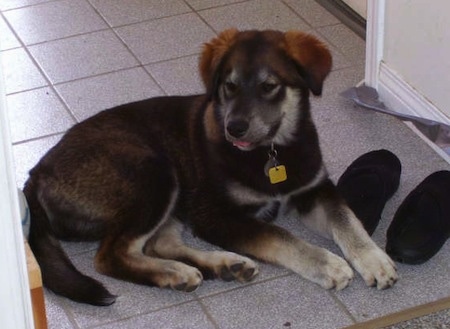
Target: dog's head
[258, 81]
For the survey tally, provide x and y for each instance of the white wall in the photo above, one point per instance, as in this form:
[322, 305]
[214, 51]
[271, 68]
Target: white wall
[417, 48]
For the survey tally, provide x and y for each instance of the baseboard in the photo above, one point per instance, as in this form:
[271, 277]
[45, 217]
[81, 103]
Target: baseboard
[346, 15]
[401, 97]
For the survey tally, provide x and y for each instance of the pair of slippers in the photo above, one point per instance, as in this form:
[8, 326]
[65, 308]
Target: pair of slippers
[420, 226]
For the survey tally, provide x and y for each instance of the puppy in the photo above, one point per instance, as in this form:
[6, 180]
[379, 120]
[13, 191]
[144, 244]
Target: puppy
[223, 163]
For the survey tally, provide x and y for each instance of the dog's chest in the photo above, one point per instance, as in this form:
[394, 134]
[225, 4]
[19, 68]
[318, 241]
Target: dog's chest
[268, 206]
[258, 204]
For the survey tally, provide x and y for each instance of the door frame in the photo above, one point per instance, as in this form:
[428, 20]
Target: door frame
[15, 299]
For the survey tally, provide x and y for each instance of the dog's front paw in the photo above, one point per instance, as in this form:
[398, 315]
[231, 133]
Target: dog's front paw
[332, 272]
[376, 268]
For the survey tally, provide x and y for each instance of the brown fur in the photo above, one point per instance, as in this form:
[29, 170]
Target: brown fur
[213, 52]
[129, 175]
[317, 61]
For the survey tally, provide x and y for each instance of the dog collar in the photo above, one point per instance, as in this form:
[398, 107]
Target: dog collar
[273, 169]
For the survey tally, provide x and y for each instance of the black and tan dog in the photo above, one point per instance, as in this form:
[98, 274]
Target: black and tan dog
[223, 163]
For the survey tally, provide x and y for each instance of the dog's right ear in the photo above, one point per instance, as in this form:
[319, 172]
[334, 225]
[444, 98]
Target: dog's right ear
[211, 57]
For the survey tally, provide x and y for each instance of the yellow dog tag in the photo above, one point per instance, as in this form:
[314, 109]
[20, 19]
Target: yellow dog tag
[277, 174]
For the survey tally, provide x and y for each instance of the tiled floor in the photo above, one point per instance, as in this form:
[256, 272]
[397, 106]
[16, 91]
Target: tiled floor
[65, 60]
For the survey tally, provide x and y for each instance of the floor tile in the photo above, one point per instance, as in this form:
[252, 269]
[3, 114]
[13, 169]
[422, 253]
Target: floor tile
[36, 113]
[20, 72]
[203, 4]
[75, 248]
[82, 56]
[7, 39]
[132, 299]
[11, 4]
[348, 42]
[137, 10]
[256, 14]
[312, 12]
[281, 303]
[411, 290]
[355, 130]
[186, 316]
[184, 36]
[27, 155]
[89, 96]
[56, 315]
[68, 17]
[179, 76]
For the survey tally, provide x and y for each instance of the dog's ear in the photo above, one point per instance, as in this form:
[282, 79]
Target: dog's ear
[212, 55]
[312, 56]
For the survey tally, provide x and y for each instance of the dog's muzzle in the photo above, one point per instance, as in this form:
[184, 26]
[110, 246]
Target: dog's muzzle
[237, 128]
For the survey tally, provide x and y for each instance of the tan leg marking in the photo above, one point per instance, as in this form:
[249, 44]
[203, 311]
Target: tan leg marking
[316, 264]
[167, 243]
[374, 265]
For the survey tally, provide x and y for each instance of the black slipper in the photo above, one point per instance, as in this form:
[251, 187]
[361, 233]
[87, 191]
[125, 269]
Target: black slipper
[421, 224]
[368, 183]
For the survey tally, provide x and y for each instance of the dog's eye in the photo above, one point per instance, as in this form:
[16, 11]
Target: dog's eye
[230, 87]
[267, 87]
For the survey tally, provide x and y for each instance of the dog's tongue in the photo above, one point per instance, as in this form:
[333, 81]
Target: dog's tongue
[241, 144]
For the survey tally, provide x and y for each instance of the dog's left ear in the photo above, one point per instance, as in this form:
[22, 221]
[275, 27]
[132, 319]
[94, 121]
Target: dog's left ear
[212, 55]
[312, 56]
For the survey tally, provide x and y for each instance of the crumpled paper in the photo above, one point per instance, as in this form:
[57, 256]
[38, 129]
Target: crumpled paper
[367, 97]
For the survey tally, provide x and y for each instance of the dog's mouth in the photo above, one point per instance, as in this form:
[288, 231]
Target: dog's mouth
[243, 145]
[246, 145]
[253, 138]
[251, 142]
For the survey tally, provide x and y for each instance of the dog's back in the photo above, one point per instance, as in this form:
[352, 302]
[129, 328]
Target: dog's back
[110, 151]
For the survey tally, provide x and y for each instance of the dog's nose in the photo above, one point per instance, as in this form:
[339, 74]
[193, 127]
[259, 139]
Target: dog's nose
[237, 128]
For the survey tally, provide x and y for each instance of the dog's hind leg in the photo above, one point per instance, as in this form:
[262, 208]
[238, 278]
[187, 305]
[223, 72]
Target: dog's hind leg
[228, 266]
[121, 255]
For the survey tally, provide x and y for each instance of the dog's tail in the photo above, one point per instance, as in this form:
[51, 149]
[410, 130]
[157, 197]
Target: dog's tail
[58, 272]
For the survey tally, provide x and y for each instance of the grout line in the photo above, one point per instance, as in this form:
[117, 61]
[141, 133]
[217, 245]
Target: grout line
[37, 138]
[28, 6]
[196, 12]
[138, 22]
[214, 7]
[342, 306]
[40, 43]
[207, 313]
[26, 90]
[166, 307]
[248, 284]
[55, 39]
[113, 29]
[298, 14]
[62, 302]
